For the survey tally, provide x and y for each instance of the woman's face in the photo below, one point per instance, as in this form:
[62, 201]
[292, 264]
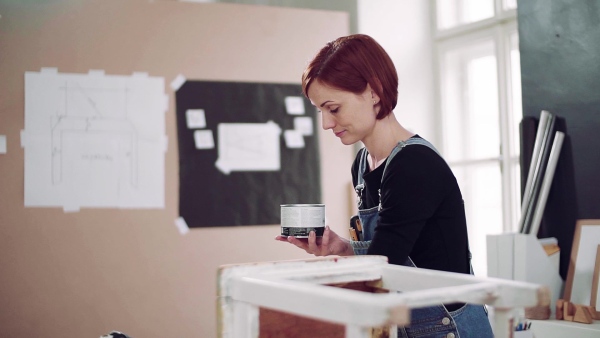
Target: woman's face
[350, 116]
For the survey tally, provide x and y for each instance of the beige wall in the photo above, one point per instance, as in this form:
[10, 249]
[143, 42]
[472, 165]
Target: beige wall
[83, 274]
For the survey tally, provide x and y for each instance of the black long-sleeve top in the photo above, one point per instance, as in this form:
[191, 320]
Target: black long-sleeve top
[422, 213]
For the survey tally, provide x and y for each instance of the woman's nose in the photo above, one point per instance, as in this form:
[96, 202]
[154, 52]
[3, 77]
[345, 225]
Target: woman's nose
[328, 121]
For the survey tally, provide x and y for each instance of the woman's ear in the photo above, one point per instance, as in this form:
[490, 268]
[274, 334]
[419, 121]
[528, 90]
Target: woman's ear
[374, 97]
[372, 93]
[371, 96]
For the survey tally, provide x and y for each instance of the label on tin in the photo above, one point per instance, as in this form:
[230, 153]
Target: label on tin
[299, 220]
[301, 232]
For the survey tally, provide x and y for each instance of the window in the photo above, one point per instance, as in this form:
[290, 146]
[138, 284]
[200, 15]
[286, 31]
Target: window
[480, 108]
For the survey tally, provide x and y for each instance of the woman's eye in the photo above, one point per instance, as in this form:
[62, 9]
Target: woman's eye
[334, 110]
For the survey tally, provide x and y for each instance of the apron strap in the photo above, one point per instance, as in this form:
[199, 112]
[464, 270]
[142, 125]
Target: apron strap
[362, 164]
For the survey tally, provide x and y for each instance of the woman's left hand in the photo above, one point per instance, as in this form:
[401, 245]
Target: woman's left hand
[330, 244]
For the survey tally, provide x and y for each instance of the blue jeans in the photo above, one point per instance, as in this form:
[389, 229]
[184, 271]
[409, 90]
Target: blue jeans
[470, 321]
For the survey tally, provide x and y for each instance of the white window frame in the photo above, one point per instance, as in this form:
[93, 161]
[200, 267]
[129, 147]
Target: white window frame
[499, 29]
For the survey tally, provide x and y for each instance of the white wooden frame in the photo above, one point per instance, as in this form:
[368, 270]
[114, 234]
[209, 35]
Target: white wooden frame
[296, 287]
[578, 288]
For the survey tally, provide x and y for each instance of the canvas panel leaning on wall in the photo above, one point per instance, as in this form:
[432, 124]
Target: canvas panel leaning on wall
[580, 286]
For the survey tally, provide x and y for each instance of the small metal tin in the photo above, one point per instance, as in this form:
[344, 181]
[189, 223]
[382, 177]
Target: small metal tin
[299, 220]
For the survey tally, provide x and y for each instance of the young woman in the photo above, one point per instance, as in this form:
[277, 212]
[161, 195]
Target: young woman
[409, 202]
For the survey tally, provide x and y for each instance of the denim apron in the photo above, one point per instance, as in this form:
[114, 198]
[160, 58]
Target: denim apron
[468, 321]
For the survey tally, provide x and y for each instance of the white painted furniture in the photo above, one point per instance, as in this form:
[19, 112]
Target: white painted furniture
[298, 287]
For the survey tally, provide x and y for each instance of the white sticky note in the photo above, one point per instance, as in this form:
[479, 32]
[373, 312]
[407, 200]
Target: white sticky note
[294, 105]
[204, 139]
[304, 125]
[67, 209]
[195, 118]
[2, 144]
[182, 226]
[293, 139]
[96, 72]
[49, 70]
[177, 82]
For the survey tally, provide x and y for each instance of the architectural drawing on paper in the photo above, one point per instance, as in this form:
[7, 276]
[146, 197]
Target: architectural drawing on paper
[94, 140]
[99, 113]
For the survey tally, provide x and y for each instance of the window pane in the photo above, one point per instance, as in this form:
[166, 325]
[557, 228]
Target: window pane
[470, 103]
[482, 88]
[451, 13]
[510, 4]
[481, 188]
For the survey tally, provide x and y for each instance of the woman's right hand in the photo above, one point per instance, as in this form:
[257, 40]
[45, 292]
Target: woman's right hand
[329, 244]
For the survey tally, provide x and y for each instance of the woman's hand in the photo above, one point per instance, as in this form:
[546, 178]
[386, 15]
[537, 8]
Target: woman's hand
[329, 244]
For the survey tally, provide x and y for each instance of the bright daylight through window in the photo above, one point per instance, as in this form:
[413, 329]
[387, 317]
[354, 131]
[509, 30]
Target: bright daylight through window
[480, 109]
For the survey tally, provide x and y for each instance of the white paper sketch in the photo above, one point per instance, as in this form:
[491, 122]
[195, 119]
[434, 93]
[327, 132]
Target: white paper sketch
[293, 139]
[203, 139]
[248, 147]
[304, 125]
[94, 140]
[195, 118]
[294, 105]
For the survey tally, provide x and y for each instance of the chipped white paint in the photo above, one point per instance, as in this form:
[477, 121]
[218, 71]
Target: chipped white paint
[296, 287]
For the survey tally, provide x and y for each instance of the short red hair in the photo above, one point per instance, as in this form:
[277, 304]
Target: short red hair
[350, 63]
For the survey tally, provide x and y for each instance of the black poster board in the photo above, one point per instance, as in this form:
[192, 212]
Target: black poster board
[214, 192]
[560, 72]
